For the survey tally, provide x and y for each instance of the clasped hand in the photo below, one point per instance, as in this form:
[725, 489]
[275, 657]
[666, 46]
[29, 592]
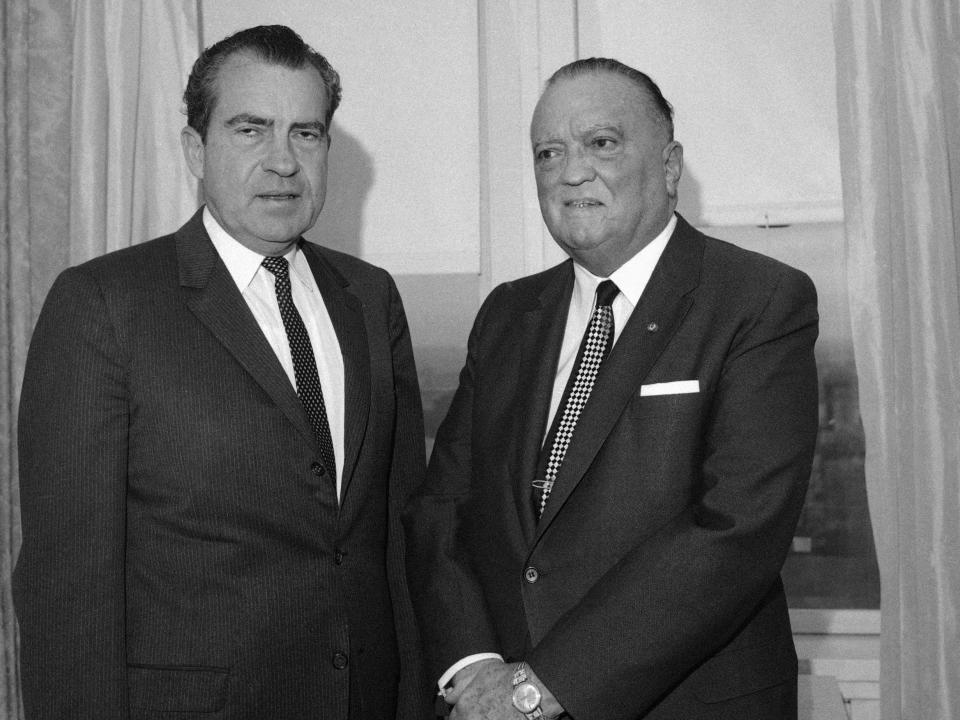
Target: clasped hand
[484, 691]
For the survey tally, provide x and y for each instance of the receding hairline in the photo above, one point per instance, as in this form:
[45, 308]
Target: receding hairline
[252, 55]
[244, 56]
[647, 102]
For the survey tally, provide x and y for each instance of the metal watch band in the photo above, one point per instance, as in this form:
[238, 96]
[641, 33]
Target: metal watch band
[519, 674]
[519, 678]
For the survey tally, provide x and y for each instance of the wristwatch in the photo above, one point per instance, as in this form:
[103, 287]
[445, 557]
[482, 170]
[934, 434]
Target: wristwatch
[526, 695]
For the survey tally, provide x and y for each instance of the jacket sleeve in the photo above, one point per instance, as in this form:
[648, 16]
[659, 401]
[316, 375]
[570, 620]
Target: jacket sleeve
[678, 596]
[69, 581]
[406, 474]
[447, 595]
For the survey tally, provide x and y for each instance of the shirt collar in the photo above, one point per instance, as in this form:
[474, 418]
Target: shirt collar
[242, 262]
[631, 277]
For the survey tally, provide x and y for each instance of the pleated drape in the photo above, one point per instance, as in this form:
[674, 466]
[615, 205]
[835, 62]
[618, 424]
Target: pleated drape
[898, 77]
[128, 180]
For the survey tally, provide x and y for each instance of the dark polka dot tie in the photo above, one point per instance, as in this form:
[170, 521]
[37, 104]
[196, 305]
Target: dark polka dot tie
[304, 363]
[593, 349]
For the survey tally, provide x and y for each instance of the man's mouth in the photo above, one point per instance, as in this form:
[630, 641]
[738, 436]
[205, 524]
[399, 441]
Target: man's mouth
[583, 203]
[278, 196]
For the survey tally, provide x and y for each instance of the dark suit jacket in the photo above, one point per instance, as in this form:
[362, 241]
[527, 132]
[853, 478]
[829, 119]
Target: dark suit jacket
[184, 555]
[654, 590]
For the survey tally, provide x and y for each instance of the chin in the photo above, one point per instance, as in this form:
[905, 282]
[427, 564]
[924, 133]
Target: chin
[574, 243]
[284, 234]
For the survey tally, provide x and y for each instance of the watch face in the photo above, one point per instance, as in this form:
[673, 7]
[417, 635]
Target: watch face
[526, 697]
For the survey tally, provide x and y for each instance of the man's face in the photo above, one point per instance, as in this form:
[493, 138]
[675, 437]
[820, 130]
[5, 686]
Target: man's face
[607, 172]
[264, 161]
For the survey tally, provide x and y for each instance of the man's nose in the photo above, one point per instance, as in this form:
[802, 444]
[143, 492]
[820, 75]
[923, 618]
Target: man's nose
[577, 167]
[280, 158]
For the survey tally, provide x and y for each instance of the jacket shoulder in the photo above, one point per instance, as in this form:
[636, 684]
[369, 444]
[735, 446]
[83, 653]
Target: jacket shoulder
[529, 288]
[144, 255]
[733, 267]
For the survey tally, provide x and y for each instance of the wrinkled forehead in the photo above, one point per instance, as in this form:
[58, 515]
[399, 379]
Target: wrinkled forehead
[595, 99]
[249, 83]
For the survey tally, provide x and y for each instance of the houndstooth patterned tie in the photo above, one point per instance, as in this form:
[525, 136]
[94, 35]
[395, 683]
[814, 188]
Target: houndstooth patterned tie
[596, 343]
[304, 363]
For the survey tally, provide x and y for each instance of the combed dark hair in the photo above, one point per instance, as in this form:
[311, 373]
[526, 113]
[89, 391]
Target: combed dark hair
[275, 44]
[662, 110]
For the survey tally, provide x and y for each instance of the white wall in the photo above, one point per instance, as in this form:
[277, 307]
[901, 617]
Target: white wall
[404, 177]
[753, 85]
[430, 167]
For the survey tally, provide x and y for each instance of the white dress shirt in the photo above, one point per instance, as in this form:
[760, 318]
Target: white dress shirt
[257, 285]
[631, 278]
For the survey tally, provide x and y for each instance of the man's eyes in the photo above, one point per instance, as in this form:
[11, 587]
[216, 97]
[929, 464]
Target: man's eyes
[254, 131]
[604, 143]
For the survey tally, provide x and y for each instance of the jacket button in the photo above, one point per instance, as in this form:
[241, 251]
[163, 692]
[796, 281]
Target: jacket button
[338, 557]
[531, 575]
[318, 469]
[339, 661]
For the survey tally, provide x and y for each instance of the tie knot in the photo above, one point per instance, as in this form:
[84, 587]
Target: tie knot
[606, 292]
[277, 265]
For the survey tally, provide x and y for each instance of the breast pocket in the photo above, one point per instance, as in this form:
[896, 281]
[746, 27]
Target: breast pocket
[669, 420]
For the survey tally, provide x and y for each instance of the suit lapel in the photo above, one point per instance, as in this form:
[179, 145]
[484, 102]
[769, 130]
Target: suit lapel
[541, 334]
[218, 304]
[346, 314]
[658, 314]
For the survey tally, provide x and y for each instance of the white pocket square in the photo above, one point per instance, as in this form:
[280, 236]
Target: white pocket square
[671, 388]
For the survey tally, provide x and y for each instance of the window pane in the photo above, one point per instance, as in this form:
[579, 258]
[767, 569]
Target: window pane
[440, 310]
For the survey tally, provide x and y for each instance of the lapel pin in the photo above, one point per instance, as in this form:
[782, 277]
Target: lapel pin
[652, 327]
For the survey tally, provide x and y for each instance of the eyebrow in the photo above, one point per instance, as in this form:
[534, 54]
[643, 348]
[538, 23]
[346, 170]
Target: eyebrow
[249, 119]
[545, 141]
[589, 130]
[601, 127]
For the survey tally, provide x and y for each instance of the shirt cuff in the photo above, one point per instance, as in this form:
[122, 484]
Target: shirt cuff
[461, 664]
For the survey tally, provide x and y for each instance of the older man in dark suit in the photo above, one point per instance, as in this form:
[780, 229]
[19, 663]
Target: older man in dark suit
[218, 430]
[604, 521]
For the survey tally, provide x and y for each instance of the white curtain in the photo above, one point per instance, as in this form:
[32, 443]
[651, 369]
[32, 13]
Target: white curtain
[128, 180]
[899, 106]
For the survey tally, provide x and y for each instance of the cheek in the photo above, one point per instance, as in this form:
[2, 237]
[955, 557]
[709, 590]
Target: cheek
[316, 172]
[318, 184]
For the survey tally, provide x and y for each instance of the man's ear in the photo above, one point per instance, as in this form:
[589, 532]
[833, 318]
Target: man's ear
[672, 166]
[192, 145]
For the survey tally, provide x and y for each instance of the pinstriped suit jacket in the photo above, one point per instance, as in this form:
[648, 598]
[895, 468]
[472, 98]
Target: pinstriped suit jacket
[184, 556]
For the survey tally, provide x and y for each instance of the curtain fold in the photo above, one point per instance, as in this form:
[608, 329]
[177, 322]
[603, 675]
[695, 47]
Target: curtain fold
[91, 97]
[128, 181]
[898, 77]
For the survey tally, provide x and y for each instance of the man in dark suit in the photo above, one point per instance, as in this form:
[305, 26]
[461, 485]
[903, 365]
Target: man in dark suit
[602, 526]
[218, 430]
